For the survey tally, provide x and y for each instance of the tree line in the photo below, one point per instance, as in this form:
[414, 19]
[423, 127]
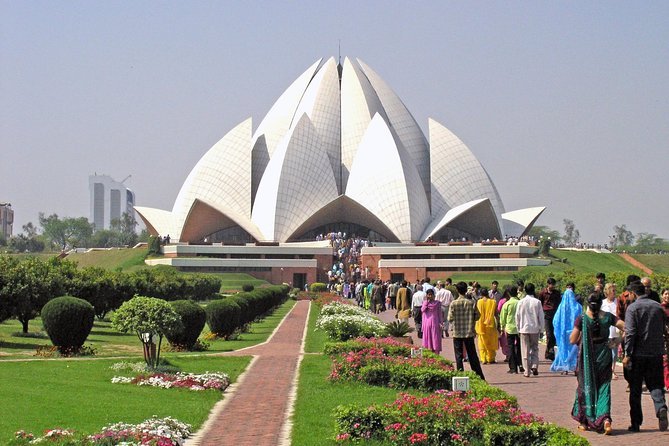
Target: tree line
[60, 234]
[26, 285]
[621, 240]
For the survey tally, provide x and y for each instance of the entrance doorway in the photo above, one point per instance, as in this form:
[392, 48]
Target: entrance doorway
[299, 280]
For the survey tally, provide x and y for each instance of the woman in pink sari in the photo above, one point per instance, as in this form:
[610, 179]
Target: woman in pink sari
[432, 322]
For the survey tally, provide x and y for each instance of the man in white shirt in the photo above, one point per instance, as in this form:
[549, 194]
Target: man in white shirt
[530, 323]
[416, 304]
[445, 297]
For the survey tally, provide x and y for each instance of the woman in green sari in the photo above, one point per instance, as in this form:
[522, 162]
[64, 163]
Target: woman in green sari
[592, 405]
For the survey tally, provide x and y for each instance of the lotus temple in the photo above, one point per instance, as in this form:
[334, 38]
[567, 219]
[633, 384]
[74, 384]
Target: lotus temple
[339, 152]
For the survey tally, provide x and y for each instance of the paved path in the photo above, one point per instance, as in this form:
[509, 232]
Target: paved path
[256, 409]
[551, 396]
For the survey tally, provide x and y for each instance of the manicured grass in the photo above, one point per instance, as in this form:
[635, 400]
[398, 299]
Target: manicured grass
[235, 281]
[78, 394]
[108, 342]
[584, 262]
[315, 339]
[125, 259]
[659, 263]
[317, 397]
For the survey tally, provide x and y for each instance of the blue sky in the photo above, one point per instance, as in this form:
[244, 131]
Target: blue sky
[566, 104]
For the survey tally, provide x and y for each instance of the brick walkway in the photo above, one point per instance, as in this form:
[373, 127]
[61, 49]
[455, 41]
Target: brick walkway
[256, 409]
[551, 396]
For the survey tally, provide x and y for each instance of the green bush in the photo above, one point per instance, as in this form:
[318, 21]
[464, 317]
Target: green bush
[248, 313]
[68, 321]
[223, 317]
[398, 328]
[317, 287]
[193, 318]
[247, 287]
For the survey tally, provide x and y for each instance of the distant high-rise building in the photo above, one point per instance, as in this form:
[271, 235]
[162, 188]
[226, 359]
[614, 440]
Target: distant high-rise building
[6, 219]
[110, 199]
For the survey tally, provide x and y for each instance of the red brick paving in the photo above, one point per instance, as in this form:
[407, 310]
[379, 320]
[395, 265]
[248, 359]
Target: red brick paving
[255, 414]
[551, 396]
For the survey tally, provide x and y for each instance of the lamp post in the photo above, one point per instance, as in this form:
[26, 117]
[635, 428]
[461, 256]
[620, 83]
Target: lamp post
[282, 281]
[416, 274]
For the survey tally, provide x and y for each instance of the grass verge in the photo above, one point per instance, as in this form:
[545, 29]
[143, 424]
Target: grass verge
[78, 394]
[313, 422]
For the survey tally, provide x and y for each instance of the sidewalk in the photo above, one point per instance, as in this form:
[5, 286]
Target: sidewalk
[551, 396]
[256, 409]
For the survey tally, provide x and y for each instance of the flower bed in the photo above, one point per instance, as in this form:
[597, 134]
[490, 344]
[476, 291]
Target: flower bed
[388, 363]
[190, 381]
[342, 322]
[152, 432]
[447, 418]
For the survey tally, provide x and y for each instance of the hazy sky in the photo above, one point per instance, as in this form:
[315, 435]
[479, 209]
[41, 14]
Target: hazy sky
[566, 104]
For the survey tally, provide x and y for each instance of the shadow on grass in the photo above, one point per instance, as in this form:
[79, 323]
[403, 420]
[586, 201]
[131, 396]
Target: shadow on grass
[19, 346]
[107, 333]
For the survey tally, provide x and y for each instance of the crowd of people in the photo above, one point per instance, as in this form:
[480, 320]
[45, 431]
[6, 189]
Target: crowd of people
[584, 335]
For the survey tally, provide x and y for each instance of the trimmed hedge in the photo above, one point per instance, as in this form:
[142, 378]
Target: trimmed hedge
[317, 287]
[225, 316]
[68, 321]
[193, 318]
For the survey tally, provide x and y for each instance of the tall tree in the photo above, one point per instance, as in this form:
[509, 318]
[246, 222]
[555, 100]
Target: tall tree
[622, 236]
[571, 234]
[125, 228]
[545, 232]
[68, 232]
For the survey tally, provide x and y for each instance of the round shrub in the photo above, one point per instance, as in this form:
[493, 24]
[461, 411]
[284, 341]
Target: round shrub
[247, 287]
[193, 318]
[317, 287]
[68, 321]
[223, 317]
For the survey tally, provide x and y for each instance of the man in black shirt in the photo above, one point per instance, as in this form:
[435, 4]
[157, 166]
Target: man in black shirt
[644, 325]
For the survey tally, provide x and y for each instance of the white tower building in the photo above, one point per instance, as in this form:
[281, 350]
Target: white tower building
[110, 199]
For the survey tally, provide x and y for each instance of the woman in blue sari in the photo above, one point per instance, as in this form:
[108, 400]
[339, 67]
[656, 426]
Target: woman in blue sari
[592, 405]
[563, 324]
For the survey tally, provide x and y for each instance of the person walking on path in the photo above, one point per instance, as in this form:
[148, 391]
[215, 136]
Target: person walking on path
[417, 304]
[550, 299]
[432, 321]
[644, 345]
[463, 316]
[403, 303]
[503, 341]
[486, 327]
[507, 320]
[563, 323]
[530, 323]
[610, 304]
[592, 405]
[444, 296]
[665, 358]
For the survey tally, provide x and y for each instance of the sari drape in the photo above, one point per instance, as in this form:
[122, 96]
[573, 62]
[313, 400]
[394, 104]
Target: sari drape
[563, 324]
[592, 405]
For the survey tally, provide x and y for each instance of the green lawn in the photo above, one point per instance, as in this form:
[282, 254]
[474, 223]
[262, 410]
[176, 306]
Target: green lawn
[126, 259]
[584, 262]
[659, 263]
[78, 394]
[108, 342]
